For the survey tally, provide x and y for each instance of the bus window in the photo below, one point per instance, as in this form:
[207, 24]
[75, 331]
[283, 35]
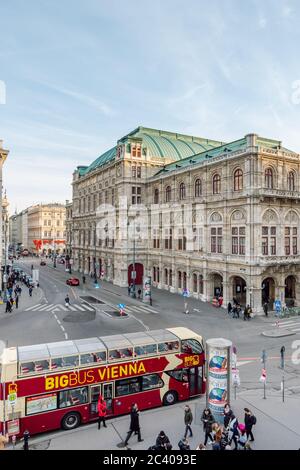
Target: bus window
[27, 367]
[115, 354]
[76, 396]
[95, 392]
[148, 349]
[191, 346]
[181, 374]
[151, 381]
[163, 347]
[64, 362]
[127, 386]
[173, 346]
[92, 358]
[41, 366]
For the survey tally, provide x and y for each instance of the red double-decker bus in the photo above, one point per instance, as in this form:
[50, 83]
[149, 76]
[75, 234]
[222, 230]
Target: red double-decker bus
[57, 385]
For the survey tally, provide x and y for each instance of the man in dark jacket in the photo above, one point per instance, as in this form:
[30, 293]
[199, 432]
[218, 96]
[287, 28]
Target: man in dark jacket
[188, 418]
[163, 442]
[249, 421]
[183, 444]
[228, 413]
[207, 420]
[134, 424]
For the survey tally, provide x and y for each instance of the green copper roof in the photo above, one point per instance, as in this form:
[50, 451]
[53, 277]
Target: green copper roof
[212, 153]
[104, 158]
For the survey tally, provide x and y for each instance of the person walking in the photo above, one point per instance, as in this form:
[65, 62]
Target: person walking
[207, 420]
[242, 439]
[30, 291]
[228, 413]
[8, 306]
[250, 421]
[188, 418]
[128, 290]
[83, 279]
[134, 424]
[101, 407]
[19, 291]
[17, 300]
[234, 431]
[11, 302]
[67, 300]
[229, 308]
[266, 307]
[139, 293]
[3, 440]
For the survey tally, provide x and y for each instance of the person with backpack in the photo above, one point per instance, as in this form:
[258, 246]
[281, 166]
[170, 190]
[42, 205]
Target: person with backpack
[242, 437]
[250, 421]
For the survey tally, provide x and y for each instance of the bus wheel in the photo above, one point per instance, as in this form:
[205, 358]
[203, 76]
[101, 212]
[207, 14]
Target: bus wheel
[70, 421]
[170, 398]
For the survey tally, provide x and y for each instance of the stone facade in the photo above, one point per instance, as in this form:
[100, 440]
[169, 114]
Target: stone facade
[222, 220]
[46, 228]
[3, 156]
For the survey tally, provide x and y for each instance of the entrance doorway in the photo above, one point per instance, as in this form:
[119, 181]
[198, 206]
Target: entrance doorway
[217, 281]
[195, 380]
[239, 290]
[290, 291]
[268, 291]
[139, 269]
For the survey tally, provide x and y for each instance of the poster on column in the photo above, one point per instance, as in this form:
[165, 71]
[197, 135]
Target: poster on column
[217, 377]
[147, 289]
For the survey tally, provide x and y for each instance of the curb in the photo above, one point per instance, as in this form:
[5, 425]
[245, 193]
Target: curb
[278, 334]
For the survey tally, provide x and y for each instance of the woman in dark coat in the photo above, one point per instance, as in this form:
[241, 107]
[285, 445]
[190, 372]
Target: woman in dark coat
[207, 420]
[134, 424]
[228, 413]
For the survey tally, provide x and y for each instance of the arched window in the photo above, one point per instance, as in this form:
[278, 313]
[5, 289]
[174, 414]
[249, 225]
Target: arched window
[170, 277]
[198, 188]
[166, 276]
[200, 284]
[182, 191]
[195, 282]
[291, 181]
[179, 279]
[269, 178]
[154, 274]
[168, 193]
[156, 196]
[216, 184]
[238, 180]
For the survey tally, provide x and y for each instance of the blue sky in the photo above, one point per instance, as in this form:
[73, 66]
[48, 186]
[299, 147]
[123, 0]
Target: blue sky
[79, 75]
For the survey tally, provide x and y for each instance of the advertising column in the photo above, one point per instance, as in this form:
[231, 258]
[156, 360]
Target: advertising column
[147, 289]
[218, 374]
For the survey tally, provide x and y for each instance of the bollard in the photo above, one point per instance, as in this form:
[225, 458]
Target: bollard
[26, 436]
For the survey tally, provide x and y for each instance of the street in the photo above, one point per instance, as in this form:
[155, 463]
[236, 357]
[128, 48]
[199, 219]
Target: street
[44, 318]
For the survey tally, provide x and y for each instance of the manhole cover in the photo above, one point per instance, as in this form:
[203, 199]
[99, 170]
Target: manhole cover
[116, 313]
[91, 300]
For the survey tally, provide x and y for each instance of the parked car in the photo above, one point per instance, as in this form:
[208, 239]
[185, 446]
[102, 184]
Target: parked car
[73, 281]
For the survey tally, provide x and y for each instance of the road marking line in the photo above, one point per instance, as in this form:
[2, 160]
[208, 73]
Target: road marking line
[66, 336]
[55, 316]
[147, 309]
[63, 307]
[285, 322]
[62, 328]
[88, 307]
[58, 321]
[72, 308]
[46, 307]
[31, 308]
[296, 329]
[80, 308]
[35, 309]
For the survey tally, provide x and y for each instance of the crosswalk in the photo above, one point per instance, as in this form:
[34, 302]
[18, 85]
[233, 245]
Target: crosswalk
[292, 324]
[139, 309]
[49, 307]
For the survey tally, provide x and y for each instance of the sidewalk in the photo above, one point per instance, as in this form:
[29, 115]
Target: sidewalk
[25, 300]
[277, 426]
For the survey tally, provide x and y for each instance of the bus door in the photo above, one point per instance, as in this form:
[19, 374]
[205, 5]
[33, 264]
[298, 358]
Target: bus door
[106, 391]
[195, 380]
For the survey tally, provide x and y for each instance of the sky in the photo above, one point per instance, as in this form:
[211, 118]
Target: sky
[76, 76]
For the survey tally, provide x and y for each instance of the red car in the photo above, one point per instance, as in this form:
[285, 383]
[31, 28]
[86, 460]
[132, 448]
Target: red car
[73, 281]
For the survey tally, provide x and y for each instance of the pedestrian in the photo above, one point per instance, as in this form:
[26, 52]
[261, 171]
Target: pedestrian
[67, 301]
[20, 291]
[3, 440]
[234, 311]
[150, 301]
[128, 290]
[228, 413]
[134, 424]
[207, 420]
[229, 308]
[246, 313]
[183, 444]
[266, 307]
[186, 310]
[217, 435]
[11, 302]
[250, 421]
[139, 293]
[233, 431]
[30, 291]
[242, 439]
[83, 279]
[26, 436]
[188, 418]
[101, 407]
[8, 306]
[162, 442]
[17, 301]
[220, 301]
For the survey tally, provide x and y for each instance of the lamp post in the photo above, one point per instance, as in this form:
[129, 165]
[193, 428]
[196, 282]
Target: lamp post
[95, 263]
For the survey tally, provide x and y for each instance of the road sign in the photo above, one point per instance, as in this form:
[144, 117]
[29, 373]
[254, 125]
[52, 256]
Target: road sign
[263, 376]
[12, 398]
[133, 274]
[185, 293]
[236, 378]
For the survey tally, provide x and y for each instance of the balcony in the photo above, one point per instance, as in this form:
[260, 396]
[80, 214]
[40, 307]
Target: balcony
[279, 260]
[281, 193]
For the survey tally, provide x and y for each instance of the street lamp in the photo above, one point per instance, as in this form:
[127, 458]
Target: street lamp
[95, 263]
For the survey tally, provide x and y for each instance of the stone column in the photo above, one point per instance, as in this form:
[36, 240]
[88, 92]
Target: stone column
[227, 297]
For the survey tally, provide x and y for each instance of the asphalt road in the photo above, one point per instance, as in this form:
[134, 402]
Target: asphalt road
[46, 320]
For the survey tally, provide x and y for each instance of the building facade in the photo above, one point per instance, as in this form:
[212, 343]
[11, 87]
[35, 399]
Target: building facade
[46, 228]
[207, 216]
[5, 229]
[3, 156]
[15, 231]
